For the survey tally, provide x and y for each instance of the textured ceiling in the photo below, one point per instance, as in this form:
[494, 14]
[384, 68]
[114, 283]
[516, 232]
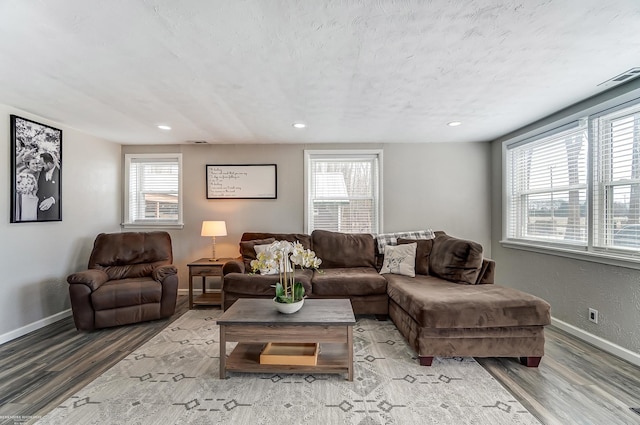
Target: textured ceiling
[242, 71]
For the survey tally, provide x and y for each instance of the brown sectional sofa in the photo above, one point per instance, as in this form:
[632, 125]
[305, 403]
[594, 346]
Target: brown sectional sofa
[450, 308]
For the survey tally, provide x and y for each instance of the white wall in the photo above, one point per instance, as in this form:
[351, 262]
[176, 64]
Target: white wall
[444, 186]
[571, 286]
[437, 185]
[35, 258]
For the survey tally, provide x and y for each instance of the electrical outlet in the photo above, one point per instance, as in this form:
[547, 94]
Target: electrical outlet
[593, 315]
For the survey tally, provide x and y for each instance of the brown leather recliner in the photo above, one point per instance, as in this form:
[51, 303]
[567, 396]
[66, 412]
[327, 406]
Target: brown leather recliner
[130, 279]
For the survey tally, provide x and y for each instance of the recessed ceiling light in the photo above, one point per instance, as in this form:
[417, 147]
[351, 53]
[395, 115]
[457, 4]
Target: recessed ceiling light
[164, 127]
[454, 123]
[299, 125]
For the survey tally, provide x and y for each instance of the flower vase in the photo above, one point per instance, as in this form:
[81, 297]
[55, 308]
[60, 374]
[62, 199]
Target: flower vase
[288, 308]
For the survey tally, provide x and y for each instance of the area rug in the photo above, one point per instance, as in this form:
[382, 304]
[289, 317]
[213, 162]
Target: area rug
[173, 379]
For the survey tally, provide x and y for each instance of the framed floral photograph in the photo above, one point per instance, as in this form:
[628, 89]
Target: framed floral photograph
[36, 171]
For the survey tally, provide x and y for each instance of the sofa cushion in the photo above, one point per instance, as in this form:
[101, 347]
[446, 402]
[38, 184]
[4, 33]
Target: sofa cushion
[423, 253]
[344, 249]
[259, 285]
[456, 260]
[348, 281]
[248, 251]
[126, 292]
[400, 259]
[436, 303]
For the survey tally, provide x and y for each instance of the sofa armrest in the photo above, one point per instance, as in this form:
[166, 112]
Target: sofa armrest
[487, 272]
[233, 266]
[160, 273]
[93, 278]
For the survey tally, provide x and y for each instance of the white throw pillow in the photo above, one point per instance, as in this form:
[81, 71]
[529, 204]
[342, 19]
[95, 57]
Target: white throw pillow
[400, 259]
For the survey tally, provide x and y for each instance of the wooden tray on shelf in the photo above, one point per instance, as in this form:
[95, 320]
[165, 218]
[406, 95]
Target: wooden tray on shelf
[305, 354]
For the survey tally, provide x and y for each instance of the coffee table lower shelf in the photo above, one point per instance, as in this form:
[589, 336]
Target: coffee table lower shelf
[246, 358]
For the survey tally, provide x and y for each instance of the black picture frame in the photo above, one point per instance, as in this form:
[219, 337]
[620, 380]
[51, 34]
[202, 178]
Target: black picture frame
[36, 171]
[242, 181]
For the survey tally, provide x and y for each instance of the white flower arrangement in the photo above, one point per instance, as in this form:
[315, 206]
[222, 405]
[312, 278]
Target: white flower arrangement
[284, 256]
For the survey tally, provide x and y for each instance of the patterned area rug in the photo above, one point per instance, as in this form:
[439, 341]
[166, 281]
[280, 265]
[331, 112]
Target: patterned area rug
[173, 379]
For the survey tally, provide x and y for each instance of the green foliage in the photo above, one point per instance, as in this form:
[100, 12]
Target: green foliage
[298, 291]
[279, 291]
[282, 297]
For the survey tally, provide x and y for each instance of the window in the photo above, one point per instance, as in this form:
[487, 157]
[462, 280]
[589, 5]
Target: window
[578, 187]
[343, 191]
[548, 188]
[153, 190]
[617, 179]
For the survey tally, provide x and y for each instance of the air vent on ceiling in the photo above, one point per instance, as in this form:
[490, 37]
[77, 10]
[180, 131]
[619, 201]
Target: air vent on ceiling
[622, 78]
[198, 142]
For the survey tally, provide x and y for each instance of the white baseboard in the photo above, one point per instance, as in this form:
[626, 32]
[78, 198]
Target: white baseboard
[17, 333]
[603, 344]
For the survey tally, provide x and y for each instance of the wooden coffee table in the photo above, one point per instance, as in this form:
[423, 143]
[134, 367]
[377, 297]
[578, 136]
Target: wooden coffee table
[254, 322]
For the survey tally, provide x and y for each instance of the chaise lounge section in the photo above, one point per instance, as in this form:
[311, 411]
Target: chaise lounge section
[455, 309]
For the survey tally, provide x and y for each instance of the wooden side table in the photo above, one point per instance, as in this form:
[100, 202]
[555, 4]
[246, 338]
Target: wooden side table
[206, 268]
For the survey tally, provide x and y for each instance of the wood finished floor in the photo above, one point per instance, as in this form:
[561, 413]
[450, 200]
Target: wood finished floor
[576, 383]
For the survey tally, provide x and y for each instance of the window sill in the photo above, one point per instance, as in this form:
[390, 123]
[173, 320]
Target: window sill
[630, 261]
[152, 225]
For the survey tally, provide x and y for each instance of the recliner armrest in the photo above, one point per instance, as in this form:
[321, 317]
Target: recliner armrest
[161, 272]
[93, 278]
[233, 266]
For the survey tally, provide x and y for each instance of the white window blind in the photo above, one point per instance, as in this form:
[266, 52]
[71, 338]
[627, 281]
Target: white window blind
[617, 179]
[547, 188]
[152, 188]
[343, 191]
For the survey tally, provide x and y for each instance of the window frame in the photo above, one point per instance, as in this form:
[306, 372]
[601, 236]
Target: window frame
[607, 186]
[128, 222]
[544, 140]
[343, 154]
[629, 258]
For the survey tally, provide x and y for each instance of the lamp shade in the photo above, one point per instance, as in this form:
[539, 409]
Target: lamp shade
[214, 228]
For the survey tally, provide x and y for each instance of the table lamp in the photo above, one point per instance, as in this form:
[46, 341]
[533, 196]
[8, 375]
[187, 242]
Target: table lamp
[213, 229]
